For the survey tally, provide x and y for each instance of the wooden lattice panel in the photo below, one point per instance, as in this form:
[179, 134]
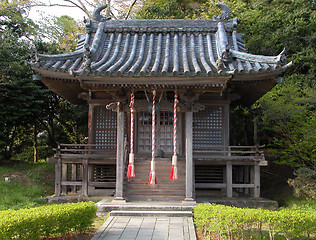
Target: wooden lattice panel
[105, 127]
[208, 128]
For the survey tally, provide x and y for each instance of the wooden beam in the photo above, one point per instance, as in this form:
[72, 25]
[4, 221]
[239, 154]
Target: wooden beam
[71, 183]
[102, 184]
[241, 185]
[189, 180]
[120, 155]
[210, 185]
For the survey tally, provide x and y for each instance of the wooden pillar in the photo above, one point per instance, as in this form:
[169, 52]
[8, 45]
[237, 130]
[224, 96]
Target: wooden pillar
[120, 155]
[256, 191]
[189, 179]
[246, 179]
[229, 179]
[64, 169]
[90, 124]
[84, 188]
[73, 176]
[58, 177]
[226, 125]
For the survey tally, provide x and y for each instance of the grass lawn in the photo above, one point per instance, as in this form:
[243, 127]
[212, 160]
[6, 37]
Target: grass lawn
[29, 182]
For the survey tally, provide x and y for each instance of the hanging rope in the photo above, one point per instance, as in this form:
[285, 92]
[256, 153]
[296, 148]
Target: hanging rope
[131, 167]
[174, 169]
[152, 174]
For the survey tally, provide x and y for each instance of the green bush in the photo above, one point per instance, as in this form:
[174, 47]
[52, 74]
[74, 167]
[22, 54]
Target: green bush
[305, 183]
[244, 223]
[46, 220]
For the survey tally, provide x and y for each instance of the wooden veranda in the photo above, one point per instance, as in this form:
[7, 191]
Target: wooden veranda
[76, 166]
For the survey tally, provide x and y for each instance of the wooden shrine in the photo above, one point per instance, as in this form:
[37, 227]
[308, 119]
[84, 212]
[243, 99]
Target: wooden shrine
[193, 70]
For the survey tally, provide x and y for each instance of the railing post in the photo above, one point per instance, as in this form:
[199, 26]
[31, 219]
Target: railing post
[73, 176]
[85, 177]
[229, 179]
[256, 191]
[64, 170]
[58, 173]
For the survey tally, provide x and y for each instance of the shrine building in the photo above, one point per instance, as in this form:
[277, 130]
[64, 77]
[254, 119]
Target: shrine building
[159, 95]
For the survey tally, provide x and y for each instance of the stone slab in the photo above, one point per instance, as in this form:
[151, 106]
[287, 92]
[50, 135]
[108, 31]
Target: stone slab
[137, 227]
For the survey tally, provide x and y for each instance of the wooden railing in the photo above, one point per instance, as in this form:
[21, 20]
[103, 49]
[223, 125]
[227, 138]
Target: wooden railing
[75, 159]
[229, 152]
[73, 166]
[90, 149]
[83, 149]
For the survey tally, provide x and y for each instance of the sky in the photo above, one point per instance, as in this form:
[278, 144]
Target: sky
[76, 13]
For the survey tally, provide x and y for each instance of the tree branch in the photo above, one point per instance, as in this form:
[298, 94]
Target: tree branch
[130, 9]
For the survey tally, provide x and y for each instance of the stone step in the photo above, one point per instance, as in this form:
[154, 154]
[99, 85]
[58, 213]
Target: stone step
[142, 207]
[152, 213]
[154, 198]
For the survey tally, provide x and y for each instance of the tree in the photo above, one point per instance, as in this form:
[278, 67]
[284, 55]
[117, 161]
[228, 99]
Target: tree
[117, 9]
[60, 32]
[28, 109]
[174, 9]
[286, 114]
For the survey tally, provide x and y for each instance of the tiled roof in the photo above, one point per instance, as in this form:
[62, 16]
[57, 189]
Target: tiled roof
[160, 48]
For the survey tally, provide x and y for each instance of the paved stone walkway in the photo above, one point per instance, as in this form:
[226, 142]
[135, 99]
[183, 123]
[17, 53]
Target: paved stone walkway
[146, 228]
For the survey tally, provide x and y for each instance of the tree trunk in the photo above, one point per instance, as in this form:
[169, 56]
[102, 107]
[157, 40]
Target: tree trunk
[35, 155]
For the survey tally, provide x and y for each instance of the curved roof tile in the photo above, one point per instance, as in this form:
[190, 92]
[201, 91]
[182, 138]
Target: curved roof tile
[160, 48]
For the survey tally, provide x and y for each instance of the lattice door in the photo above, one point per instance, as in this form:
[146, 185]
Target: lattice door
[144, 132]
[105, 127]
[164, 131]
[208, 128]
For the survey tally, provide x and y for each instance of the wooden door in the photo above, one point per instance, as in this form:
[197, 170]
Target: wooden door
[164, 132]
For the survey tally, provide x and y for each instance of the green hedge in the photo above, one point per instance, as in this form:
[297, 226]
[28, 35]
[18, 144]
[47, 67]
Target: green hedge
[46, 220]
[244, 223]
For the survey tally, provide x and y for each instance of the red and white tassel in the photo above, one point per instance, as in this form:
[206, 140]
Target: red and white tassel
[152, 174]
[131, 167]
[174, 169]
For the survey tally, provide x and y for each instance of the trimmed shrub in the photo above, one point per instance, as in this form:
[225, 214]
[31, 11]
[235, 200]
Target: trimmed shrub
[46, 220]
[244, 223]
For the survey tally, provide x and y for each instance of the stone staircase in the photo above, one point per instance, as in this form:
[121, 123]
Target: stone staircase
[137, 189]
[163, 209]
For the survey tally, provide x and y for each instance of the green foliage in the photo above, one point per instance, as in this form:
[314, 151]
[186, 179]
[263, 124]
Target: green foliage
[305, 183]
[166, 9]
[237, 223]
[61, 32]
[28, 109]
[286, 114]
[46, 220]
[288, 124]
